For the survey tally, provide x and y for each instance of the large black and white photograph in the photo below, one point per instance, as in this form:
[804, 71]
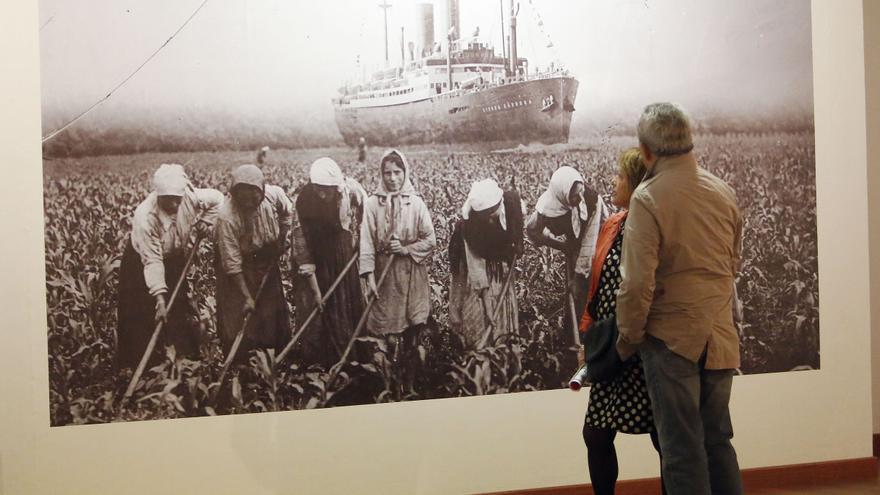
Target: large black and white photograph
[266, 205]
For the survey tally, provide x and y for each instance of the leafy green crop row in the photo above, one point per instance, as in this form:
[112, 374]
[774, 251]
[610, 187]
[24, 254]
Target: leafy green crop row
[88, 203]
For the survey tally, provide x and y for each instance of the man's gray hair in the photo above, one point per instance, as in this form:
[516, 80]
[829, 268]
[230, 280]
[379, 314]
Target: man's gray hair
[665, 129]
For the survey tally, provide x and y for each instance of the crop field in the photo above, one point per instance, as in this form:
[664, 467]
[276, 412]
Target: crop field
[88, 203]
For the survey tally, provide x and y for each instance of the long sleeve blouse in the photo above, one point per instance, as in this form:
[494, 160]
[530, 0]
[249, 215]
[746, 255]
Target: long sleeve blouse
[408, 219]
[155, 234]
[239, 235]
[579, 250]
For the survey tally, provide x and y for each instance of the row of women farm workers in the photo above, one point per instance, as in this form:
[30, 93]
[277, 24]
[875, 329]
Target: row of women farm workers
[359, 262]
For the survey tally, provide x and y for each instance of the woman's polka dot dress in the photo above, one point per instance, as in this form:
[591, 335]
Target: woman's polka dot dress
[622, 403]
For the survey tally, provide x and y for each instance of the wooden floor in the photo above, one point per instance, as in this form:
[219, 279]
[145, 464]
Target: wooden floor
[861, 476]
[859, 488]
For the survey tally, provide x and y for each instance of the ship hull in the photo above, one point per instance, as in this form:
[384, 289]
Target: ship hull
[535, 111]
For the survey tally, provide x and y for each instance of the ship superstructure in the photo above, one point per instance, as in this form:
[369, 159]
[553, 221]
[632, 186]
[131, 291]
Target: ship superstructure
[460, 91]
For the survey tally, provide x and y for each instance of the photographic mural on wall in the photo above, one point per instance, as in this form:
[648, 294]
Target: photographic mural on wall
[265, 206]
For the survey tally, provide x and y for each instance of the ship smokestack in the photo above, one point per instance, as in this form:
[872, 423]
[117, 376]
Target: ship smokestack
[453, 17]
[424, 35]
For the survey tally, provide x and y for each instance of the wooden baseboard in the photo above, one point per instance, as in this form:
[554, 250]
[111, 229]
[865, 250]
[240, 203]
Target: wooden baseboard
[791, 476]
[812, 474]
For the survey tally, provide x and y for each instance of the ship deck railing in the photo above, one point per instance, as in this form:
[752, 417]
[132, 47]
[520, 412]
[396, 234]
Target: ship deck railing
[507, 80]
[480, 87]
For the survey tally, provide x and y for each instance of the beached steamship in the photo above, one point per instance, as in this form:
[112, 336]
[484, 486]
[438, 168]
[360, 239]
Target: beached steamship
[460, 91]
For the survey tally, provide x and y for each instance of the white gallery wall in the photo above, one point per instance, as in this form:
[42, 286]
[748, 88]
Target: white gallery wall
[443, 446]
[872, 112]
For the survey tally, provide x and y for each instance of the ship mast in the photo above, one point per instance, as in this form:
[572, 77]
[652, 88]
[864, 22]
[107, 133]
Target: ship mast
[503, 37]
[402, 50]
[385, 6]
[450, 36]
[512, 50]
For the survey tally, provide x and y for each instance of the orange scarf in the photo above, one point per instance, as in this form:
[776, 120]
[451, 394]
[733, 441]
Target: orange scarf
[607, 234]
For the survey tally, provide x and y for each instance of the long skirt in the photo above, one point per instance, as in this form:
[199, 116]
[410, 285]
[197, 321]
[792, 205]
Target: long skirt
[268, 327]
[136, 312]
[569, 326]
[404, 296]
[466, 312]
[331, 330]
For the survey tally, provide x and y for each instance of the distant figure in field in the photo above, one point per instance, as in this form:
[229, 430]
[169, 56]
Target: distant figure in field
[362, 150]
[252, 230]
[567, 217]
[262, 153]
[397, 229]
[152, 263]
[329, 210]
[482, 248]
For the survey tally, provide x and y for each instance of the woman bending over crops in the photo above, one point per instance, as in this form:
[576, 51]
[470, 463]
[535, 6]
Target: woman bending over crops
[622, 403]
[153, 262]
[482, 249]
[397, 229]
[567, 217]
[329, 210]
[252, 230]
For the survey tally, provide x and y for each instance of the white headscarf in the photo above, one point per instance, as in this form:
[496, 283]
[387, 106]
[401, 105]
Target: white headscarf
[407, 189]
[170, 180]
[250, 175]
[326, 172]
[554, 201]
[483, 195]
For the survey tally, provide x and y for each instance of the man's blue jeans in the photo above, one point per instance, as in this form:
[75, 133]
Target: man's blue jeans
[691, 414]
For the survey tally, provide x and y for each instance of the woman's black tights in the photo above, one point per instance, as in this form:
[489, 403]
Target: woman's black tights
[602, 458]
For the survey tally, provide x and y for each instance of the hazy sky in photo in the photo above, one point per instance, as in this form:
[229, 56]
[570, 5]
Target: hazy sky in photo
[248, 59]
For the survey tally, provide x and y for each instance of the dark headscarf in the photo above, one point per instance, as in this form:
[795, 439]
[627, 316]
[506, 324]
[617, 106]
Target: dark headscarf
[487, 238]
